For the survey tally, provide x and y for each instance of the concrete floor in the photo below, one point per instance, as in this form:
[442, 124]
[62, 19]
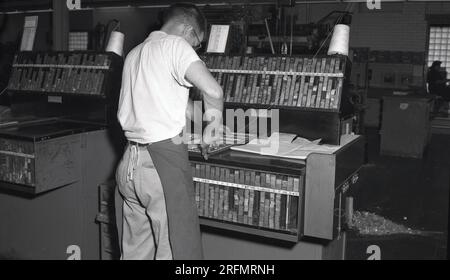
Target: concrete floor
[410, 192]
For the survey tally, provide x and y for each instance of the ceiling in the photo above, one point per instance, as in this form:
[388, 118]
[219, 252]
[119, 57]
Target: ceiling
[23, 5]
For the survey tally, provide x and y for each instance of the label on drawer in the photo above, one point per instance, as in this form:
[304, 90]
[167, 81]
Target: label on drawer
[17, 168]
[246, 187]
[54, 99]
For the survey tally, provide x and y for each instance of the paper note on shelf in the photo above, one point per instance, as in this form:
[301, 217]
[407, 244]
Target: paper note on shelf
[218, 38]
[286, 146]
[29, 33]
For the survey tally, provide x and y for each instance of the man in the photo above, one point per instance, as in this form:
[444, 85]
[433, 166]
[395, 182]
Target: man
[436, 79]
[153, 103]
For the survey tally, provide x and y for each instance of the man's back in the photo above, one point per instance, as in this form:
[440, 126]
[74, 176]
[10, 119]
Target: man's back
[154, 92]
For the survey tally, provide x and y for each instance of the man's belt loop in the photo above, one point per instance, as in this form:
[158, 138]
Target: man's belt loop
[138, 144]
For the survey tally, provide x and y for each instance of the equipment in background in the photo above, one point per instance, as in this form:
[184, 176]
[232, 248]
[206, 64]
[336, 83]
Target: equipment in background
[234, 16]
[269, 196]
[62, 74]
[270, 36]
[108, 38]
[218, 38]
[54, 94]
[2, 22]
[308, 86]
[7, 52]
[286, 3]
[55, 151]
[98, 41]
[309, 38]
[251, 25]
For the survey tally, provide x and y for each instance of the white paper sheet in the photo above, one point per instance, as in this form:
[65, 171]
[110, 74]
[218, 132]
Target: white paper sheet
[286, 146]
[29, 33]
[218, 38]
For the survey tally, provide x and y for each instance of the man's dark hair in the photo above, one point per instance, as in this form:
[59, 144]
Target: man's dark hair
[186, 13]
[436, 63]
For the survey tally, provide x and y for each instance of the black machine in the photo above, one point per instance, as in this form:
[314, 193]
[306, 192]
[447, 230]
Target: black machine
[56, 147]
[54, 95]
[277, 200]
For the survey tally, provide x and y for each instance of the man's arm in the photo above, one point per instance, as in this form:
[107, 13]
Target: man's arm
[194, 112]
[200, 77]
[190, 110]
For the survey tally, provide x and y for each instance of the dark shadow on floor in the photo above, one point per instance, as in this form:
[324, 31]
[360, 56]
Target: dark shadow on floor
[411, 192]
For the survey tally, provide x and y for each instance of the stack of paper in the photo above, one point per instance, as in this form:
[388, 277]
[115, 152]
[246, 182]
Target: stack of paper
[287, 146]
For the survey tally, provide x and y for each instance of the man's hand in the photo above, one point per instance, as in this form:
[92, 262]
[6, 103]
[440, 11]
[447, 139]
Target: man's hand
[212, 137]
[212, 95]
[204, 148]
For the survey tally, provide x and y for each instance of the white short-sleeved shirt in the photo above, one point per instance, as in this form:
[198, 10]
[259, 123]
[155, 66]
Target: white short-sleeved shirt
[154, 93]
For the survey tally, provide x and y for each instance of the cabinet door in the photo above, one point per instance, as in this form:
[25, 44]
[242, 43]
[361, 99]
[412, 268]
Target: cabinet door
[405, 127]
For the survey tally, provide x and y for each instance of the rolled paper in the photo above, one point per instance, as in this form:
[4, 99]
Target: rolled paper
[340, 40]
[115, 43]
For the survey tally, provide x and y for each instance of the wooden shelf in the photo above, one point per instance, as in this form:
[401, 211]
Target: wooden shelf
[245, 187]
[247, 229]
[254, 162]
[273, 106]
[327, 177]
[89, 67]
[51, 93]
[279, 73]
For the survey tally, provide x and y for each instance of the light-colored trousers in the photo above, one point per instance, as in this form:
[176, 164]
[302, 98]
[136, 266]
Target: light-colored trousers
[144, 229]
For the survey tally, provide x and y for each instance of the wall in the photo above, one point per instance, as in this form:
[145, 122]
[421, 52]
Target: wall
[396, 27]
[392, 29]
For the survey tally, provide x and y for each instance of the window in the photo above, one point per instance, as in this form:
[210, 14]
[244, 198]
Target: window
[439, 46]
[78, 41]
